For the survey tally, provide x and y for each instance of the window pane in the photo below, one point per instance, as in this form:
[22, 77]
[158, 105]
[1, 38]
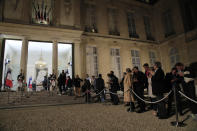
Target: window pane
[12, 58]
[137, 53]
[132, 53]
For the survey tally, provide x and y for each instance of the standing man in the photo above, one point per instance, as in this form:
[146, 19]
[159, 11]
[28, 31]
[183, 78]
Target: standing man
[171, 80]
[77, 84]
[186, 76]
[100, 86]
[62, 82]
[69, 84]
[44, 83]
[113, 82]
[158, 89]
[139, 85]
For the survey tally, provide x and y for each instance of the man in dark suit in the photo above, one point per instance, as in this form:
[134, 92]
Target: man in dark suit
[139, 85]
[62, 81]
[171, 81]
[100, 85]
[113, 82]
[186, 76]
[158, 89]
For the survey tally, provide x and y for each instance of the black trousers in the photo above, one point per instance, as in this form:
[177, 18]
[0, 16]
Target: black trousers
[87, 97]
[153, 106]
[140, 92]
[114, 97]
[62, 88]
[189, 90]
[161, 109]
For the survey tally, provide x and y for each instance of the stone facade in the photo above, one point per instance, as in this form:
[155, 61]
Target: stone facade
[68, 25]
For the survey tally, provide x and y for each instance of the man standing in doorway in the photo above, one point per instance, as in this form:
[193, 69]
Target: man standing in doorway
[62, 82]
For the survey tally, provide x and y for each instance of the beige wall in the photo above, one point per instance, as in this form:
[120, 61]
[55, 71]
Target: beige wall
[159, 9]
[104, 58]
[103, 41]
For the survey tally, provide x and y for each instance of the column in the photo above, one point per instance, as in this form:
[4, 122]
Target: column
[77, 13]
[55, 58]
[1, 59]
[77, 59]
[24, 57]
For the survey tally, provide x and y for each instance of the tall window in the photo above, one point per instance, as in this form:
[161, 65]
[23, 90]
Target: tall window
[168, 23]
[131, 25]
[116, 67]
[148, 28]
[112, 17]
[174, 56]
[90, 22]
[189, 14]
[152, 58]
[135, 58]
[12, 58]
[91, 61]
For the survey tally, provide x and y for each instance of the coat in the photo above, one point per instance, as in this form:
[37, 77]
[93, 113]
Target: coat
[128, 96]
[100, 84]
[158, 82]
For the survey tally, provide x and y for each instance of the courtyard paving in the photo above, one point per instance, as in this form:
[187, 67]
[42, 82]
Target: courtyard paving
[86, 117]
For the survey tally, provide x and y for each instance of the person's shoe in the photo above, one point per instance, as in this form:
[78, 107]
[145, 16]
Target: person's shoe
[130, 110]
[140, 111]
[162, 117]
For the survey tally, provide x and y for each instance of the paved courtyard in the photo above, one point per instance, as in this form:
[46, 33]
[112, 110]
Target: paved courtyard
[85, 117]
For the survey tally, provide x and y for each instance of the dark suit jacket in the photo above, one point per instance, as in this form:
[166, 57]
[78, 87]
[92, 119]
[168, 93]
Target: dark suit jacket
[158, 82]
[100, 85]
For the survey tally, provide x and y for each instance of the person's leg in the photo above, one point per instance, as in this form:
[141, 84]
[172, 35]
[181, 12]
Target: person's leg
[131, 107]
[64, 88]
[75, 91]
[102, 97]
[154, 106]
[142, 103]
[60, 89]
[89, 97]
[140, 93]
[170, 99]
[161, 107]
[193, 106]
[79, 91]
[98, 96]
[179, 104]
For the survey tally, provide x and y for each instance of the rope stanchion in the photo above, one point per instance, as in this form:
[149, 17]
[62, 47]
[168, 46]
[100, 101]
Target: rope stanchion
[176, 123]
[149, 101]
[187, 97]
